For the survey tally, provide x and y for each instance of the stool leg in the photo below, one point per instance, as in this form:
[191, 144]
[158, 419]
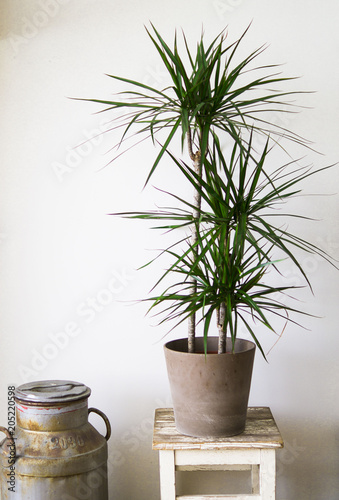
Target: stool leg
[167, 474]
[267, 474]
[255, 479]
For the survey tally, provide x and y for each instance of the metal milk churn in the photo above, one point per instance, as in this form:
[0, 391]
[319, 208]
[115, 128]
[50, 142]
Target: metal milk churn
[55, 453]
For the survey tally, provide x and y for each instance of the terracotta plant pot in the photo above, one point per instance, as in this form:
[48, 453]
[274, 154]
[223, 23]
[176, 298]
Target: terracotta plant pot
[210, 393]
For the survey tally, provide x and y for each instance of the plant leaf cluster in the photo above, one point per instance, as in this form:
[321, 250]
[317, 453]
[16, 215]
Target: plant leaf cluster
[235, 241]
[208, 99]
[233, 224]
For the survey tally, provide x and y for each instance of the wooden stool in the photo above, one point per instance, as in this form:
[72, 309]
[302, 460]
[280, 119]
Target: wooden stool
[252, 450]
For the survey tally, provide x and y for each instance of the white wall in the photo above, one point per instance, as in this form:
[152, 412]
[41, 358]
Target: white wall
[60, 251]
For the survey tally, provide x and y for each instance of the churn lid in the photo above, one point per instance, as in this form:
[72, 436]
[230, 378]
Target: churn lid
[52, 391]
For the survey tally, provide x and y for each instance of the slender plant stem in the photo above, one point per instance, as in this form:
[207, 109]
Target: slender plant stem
[221, 317]
[196, 158]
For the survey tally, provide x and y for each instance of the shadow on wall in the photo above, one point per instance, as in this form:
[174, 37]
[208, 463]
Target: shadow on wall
[307, 467]
[133, 468]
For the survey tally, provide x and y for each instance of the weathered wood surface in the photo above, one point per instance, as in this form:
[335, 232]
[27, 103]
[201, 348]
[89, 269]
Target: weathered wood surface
[219, 497]
[261, 432]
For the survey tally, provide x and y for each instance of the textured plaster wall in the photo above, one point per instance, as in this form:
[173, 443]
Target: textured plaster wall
[68, 270]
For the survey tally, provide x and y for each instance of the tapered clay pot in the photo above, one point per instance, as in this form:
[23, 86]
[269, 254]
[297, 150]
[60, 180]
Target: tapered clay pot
[210, 393]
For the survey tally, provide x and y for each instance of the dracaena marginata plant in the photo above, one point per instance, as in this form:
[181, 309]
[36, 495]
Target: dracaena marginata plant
[219, 109]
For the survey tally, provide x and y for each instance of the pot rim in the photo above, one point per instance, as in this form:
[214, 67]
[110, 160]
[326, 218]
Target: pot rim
[248, 345]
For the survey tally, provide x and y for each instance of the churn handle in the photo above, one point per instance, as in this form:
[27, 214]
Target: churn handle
[103, 416]
[10, 437]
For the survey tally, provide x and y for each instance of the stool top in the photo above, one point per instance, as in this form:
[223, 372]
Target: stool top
[261, 431]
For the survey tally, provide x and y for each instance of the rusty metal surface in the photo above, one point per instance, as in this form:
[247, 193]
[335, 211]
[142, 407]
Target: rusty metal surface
[52, 417]
[59, 454]
[7, 446]
[89, 486]
[52, 391]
